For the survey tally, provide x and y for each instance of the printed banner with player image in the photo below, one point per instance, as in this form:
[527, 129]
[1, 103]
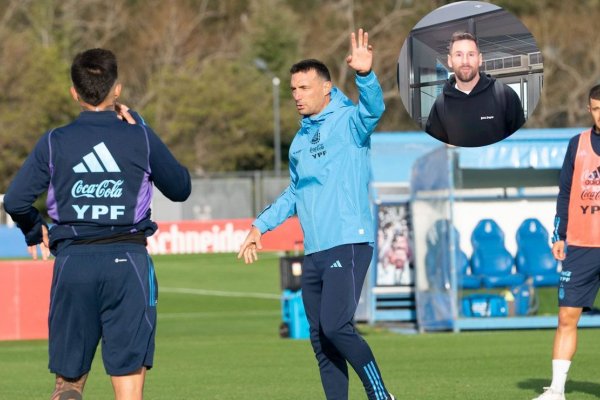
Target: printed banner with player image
[395, 266]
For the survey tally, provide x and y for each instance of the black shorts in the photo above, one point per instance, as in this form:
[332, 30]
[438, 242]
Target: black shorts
[580, 277]
[106, 292]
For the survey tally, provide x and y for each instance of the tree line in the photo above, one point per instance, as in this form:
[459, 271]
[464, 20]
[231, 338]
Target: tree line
[190, 66]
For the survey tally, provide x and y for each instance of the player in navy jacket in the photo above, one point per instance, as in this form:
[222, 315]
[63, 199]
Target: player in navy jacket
[99, 173]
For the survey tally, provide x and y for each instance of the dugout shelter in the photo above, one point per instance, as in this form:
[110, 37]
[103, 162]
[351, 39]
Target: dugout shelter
[452, 191]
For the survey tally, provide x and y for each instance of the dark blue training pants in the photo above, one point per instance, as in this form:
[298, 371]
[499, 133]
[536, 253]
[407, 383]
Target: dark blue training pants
[331, 284]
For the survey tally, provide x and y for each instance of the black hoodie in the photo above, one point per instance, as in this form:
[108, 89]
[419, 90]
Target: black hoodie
[475, 119]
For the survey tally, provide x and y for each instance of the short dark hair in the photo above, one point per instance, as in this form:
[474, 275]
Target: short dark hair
[594, 93]
[461, 35]
[307, 65]
[94, 72]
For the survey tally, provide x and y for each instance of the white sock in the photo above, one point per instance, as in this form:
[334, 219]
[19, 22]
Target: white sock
[560, 368]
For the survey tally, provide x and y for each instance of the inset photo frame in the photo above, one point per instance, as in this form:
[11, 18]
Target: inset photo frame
[470, 73]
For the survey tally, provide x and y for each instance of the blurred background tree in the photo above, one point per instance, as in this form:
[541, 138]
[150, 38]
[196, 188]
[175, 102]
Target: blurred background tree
[189, 66]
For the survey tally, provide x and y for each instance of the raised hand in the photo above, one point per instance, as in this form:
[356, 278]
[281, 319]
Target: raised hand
[361, 56]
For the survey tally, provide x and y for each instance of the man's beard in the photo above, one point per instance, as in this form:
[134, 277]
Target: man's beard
[466, 76]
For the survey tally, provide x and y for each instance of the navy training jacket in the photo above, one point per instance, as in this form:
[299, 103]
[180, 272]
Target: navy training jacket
[99, 172]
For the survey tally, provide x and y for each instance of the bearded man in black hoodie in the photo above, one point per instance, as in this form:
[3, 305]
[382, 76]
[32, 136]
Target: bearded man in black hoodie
[473, 109]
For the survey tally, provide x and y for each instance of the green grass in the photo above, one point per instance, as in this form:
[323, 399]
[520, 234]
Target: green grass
[211, 347]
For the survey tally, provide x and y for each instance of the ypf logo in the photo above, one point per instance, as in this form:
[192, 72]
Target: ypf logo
[318, 151]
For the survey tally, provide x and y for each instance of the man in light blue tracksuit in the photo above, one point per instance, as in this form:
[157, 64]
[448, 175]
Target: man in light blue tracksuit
[330, 170]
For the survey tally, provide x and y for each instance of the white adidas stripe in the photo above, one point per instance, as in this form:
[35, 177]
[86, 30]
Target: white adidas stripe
[92, 163]
[80, 168]
[107, 159]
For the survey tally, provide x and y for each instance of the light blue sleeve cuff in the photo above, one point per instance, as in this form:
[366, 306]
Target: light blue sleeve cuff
[262, 227]
[366, 80]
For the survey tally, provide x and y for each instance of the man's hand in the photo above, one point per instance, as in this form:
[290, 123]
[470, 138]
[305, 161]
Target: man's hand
[123, 113]
[361, 56]
[250, 245]
[44, 246]
[558, 250]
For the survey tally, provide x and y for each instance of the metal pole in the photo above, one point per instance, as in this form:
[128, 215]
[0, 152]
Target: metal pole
[258, 192]
[454, 293]
[276, 127]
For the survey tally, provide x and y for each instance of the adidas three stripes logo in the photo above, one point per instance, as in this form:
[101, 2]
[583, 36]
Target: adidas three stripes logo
[336, 264]
[99, 160]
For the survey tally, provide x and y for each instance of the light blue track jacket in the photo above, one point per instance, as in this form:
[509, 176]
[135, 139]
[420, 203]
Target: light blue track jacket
[330, 171]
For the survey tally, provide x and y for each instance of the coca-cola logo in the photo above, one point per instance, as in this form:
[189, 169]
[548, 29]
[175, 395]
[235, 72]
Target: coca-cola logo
[590, 195]
[105, 189]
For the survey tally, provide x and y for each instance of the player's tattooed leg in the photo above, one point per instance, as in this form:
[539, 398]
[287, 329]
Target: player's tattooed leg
[68, 389]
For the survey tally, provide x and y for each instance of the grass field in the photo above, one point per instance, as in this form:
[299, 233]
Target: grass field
[218, 339]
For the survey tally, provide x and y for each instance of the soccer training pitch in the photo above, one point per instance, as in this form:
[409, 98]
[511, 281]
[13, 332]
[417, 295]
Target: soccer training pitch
[218, 339]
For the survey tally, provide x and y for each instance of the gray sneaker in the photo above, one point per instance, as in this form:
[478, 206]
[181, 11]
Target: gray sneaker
[550, 394]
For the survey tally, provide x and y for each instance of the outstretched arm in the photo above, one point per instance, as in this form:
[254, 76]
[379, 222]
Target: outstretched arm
[271, 217]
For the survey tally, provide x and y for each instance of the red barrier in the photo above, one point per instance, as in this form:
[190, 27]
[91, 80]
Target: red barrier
[24, 299]
[220, 236]
[25, 285]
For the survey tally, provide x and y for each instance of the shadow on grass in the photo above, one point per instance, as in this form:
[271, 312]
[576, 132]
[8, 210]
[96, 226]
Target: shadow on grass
[572, 387]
